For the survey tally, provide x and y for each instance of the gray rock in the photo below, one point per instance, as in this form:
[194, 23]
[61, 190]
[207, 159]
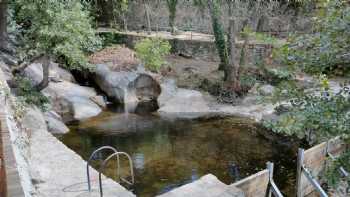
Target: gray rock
[83, 107]
[56, 126]
[99, 100]
[8, 59]
[53, 114]
[169, 90]
[266, 90]
[124, 86]
[7, 71]
[183, 103]
[68, 100]
[35, 73]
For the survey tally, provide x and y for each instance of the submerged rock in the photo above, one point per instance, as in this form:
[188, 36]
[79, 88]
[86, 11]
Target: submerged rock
[126, 86]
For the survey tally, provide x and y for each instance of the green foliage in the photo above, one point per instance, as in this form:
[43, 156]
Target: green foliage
[59, 28]
[152, 52]
[333, 174]
[29, 95]
[322, 115]
[219, 34]
[326, 50]
[172, 13]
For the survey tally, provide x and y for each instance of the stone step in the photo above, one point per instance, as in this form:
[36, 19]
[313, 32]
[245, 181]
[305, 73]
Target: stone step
[206, 186]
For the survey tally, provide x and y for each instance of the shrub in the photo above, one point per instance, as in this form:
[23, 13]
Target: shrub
[322, 115]
[152, 52]
[29, 95]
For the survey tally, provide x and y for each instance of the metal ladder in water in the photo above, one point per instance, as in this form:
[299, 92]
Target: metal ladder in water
[103, 165]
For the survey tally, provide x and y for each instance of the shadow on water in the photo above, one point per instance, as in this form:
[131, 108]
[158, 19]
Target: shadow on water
[168, 154]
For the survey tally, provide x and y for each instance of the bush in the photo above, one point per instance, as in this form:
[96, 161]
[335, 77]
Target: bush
[152, 52]
[321, 116]
[29, 95]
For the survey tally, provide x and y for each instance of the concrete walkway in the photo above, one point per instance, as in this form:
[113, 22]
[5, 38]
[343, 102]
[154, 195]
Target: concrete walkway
[56, 170]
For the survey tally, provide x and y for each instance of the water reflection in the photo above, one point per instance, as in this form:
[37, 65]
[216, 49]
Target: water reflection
[169, 154]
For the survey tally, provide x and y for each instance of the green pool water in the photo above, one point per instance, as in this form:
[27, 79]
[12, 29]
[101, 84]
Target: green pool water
[167, 154]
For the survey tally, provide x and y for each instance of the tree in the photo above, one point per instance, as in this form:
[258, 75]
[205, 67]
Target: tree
[3, 24]
[55, 29]
[219, 34]
[120, 7]
[233, 68]
[148, 18]
[172, 14]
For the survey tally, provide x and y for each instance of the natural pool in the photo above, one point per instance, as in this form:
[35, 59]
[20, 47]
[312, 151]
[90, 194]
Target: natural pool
[168, 154]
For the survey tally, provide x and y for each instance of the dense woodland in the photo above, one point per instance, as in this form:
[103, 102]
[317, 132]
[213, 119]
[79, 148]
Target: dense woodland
[65, 31]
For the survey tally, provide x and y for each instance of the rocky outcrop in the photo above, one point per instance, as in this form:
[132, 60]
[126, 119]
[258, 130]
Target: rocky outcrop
[34, 72]
[72, 101]
[126, 86]
[206, 186]
[180, 103]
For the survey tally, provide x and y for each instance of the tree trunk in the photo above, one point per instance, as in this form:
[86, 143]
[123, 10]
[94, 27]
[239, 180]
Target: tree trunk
[46, 67]
[233, 68]
[172, 14]
[3, 24]
[149, 29]
[219, 34]
[172, 22]
[125, 22]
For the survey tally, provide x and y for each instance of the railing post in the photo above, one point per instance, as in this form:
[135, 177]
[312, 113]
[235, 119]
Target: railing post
[270, 169]
[300, 163]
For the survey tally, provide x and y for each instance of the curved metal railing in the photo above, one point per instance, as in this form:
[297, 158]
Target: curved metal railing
[104, 165]
[92, 155]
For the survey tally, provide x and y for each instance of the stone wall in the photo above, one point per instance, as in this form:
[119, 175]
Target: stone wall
[192, 18]
[202, 49]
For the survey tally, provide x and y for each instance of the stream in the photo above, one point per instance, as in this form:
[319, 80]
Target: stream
[169, 153]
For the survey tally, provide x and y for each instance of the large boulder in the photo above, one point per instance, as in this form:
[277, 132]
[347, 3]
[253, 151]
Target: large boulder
[72, 101]
[35, 73]
[126, 86]
[182, 103]
[83, 107]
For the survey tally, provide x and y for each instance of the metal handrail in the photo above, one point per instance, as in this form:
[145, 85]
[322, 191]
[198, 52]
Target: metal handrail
[104, 165]
[92, 155]
[313, 181]
[341, 169]
[302, 169]
[272, 187]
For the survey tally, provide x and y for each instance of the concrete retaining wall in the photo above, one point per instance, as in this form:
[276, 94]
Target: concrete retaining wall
[10, 184]
[202, 48]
